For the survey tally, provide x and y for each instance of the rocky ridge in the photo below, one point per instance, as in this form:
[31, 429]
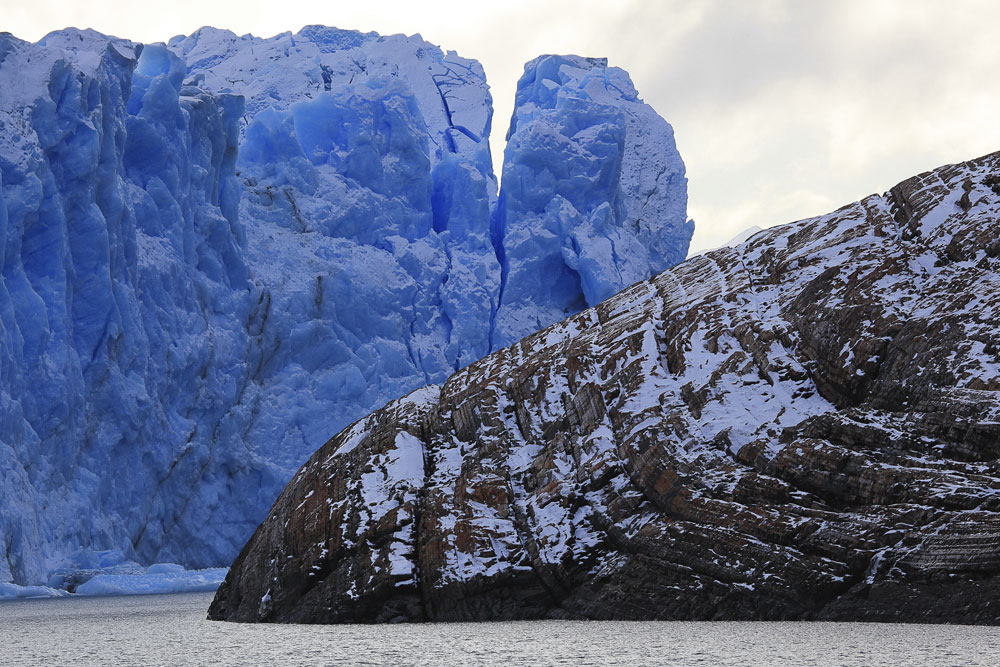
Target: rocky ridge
[804, 426]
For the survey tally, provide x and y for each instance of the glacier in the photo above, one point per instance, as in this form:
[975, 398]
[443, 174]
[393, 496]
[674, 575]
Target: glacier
[593, 196]
[216, 251]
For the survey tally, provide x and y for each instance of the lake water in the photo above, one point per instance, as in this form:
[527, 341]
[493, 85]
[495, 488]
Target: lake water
[172, 630]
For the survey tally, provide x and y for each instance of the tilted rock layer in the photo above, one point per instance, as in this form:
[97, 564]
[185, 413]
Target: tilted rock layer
[804, 426]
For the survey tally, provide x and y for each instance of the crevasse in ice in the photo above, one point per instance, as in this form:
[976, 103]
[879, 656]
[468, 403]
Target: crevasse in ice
[217, 252]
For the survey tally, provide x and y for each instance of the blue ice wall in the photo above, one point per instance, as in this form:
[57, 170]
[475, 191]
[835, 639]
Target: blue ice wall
[593, 196]
[367, 184]
[218, 252]
[126, 296]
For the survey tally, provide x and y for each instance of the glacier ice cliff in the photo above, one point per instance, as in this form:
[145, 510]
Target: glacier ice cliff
[593, 196]
[217, 251]
[125, 299]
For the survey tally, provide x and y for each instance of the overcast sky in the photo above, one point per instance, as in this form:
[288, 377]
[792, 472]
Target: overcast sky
[781, 109]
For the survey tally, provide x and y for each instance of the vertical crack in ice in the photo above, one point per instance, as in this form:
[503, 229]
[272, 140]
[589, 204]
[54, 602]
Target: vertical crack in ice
[497, 224]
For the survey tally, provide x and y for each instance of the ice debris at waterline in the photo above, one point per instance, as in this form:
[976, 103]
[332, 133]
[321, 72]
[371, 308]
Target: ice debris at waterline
[108, 573]
[217, 251]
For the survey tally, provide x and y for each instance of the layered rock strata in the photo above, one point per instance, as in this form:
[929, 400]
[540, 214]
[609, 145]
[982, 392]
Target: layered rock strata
[804, 426]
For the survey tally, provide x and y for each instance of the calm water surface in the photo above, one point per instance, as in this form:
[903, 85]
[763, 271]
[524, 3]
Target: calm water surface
[172, 630]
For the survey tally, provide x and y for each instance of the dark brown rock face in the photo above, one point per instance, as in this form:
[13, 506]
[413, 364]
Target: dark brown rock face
[805, 426]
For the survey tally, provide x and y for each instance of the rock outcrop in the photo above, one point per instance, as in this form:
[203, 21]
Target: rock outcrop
[804, 426]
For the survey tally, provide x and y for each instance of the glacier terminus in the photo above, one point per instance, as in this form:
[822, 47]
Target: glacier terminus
[217, 251]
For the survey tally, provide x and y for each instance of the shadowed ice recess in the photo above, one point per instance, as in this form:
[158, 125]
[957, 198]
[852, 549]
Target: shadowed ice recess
[217, 252]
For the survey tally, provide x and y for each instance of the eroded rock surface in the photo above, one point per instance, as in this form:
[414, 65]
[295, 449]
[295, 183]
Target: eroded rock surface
[804, 426]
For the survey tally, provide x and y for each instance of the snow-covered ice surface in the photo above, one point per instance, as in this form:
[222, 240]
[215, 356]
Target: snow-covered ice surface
[218, 251]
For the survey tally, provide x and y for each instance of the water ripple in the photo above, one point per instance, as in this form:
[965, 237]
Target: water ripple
[172, 630]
